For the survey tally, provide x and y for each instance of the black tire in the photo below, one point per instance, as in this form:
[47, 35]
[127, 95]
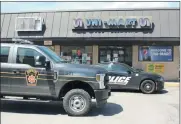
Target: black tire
[85, 97]
[147, 87]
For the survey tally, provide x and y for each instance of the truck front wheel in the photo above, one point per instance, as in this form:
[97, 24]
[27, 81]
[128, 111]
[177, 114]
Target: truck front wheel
[77, 102]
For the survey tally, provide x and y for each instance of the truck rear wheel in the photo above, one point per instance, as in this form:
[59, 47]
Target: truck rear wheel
[77, 102]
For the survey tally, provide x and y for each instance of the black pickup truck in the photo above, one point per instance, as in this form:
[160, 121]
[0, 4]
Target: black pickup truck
[33, 71]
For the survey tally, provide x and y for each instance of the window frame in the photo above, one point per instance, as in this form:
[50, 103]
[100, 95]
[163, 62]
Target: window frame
[25, 51]
[33, 48]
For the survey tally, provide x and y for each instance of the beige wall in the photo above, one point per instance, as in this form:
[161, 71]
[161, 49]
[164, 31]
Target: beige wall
[57, 49]
[171, 71]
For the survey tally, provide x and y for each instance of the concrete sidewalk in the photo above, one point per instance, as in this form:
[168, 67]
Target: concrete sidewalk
[172, 84]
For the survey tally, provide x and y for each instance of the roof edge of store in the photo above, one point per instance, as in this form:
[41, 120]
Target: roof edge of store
[92, 10]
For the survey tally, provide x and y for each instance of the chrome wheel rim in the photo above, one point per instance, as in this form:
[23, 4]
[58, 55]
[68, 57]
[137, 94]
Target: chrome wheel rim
[148, 87]
[77, 103]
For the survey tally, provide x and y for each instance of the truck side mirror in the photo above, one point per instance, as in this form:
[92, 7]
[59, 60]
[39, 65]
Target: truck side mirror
[40, 61]
[129, 72]
[47, 65]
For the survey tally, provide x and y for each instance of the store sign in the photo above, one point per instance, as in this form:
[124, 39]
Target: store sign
[49, 42]
[155, 53]
[155, 68]
[122, 23]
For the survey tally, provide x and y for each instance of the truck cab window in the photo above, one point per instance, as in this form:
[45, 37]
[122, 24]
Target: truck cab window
[52, 55]
[4, 54]
[28, 56]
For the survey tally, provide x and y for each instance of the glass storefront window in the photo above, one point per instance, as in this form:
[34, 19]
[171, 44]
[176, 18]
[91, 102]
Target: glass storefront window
[77, 54]
[122, 54]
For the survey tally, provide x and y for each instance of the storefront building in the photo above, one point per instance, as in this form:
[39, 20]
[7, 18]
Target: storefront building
[148, 39]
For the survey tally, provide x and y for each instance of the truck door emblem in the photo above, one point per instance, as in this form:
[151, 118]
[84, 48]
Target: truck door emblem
[31, 77]
[120, 80]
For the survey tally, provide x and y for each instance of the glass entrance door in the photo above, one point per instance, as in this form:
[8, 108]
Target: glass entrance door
[115, 54]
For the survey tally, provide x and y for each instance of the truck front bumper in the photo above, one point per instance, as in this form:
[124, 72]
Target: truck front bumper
[102, 96]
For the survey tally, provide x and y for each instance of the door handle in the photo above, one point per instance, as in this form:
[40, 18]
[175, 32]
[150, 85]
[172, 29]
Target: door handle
[16, 72]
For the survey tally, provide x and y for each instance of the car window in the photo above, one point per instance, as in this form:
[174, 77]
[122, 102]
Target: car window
[27, 56]
[51, 54]
[4, 54]
[119, 68]
[105, 66]
[129, 67]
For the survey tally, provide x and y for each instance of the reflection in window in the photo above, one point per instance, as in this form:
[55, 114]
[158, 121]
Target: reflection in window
[119, 68]
[122, 54]
[27, 56]
[4, 54]
[77, 54]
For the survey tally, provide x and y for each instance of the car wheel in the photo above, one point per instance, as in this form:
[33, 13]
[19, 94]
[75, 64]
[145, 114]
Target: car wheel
[147, 86]
[77, 102]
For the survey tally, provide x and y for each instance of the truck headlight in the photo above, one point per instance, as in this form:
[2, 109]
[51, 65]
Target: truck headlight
[100, 79]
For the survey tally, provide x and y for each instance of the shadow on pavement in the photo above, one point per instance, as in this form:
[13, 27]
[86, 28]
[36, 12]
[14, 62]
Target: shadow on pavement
[164, 91]
[109, 109]
[29, 107]
[54, 108]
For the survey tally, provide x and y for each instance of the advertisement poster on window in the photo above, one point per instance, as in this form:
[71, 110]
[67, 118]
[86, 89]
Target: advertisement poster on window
[159, 68]
[155, 68]
[156, 53]
[150, 68]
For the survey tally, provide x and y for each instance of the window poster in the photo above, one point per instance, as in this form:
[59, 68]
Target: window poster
[155, 68]
[155, 53]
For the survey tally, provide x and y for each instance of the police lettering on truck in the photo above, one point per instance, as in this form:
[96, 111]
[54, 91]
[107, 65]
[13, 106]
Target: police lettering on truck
[119, 80]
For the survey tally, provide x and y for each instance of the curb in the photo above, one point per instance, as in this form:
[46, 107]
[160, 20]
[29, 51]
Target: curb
[172, 84]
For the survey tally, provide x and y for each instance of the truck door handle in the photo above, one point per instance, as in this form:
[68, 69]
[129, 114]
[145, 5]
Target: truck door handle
[16, 72]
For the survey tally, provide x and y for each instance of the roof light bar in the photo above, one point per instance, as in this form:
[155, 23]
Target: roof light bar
[22, 41]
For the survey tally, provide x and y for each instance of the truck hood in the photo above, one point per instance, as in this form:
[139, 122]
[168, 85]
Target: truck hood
[79, 69]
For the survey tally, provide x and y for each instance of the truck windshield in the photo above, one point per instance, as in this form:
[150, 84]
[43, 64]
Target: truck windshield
[51, 54]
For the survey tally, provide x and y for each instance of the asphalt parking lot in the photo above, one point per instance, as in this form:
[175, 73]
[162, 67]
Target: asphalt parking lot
[123, 107]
